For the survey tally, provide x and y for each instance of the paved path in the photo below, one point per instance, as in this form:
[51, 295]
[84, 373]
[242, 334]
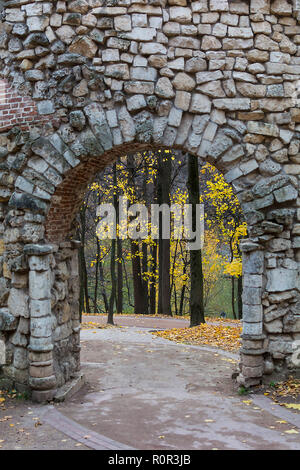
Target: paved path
[145, 392]
[162, 323]
[149, 393]
[139, 321]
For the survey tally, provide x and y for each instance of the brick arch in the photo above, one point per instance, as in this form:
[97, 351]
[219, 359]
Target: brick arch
[215, 78]
[69, 194]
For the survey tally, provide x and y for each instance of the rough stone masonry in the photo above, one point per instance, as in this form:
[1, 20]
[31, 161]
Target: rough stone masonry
[217, 78]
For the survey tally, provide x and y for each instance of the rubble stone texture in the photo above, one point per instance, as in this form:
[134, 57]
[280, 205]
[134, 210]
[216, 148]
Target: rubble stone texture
[219, 79]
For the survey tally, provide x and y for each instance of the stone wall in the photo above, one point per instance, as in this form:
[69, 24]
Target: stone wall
[216, 78]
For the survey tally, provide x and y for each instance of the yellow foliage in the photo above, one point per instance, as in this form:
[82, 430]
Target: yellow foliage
[219, 335]
[227, 209]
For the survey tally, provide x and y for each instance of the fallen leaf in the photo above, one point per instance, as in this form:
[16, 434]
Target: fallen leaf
[291, 431]
[293, 406]
[218, 335]
[247, 402]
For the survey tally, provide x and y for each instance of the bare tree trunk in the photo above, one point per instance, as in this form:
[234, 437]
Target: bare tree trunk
[102, 284]
[83, 268]
[140, 297]
[153, 280]
[81, 280]
[196, 293]
[145, 270]
[182, 300]
[112, 299]
[164, 184]
[120, 276]
[240, 300]
[96, 277]
[140, 302]
[127, 284]
[173, 284]
[113, 293]
[119, 262]
[233, 297]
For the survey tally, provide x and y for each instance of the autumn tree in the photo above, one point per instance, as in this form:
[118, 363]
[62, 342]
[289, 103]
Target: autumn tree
[224, 215]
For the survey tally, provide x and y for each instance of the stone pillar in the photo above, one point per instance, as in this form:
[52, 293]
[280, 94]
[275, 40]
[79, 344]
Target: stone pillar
[41, 375]
[75, 282]
[253, 338]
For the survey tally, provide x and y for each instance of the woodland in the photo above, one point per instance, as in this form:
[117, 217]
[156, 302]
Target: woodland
[157, 276]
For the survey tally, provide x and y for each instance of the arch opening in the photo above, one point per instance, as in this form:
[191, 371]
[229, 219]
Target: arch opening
[132, 175]
[55, 255]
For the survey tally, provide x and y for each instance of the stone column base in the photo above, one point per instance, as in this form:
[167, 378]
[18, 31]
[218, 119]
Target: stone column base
[43, 396]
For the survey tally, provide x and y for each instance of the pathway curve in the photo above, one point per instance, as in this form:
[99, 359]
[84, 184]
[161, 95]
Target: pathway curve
[146, 321]
[149, 393]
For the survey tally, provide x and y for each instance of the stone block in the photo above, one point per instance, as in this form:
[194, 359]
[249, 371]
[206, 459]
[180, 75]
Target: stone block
[2, 353]
[39, 285]
[252, 329]
[252, 361]
[4, 291]
[8, 322]
[41, 371]
[252, 281]
[280, 280]
[39, 396]
[252, 295]
[41, 327]
[274, 326]
[200, 104]
[18, 303]
[20, 358]
[252, 313]
[280, 348]
[39, 263]
[40, 345]
[285, 194]
[42, 383]
[253, 262]
[252, 371]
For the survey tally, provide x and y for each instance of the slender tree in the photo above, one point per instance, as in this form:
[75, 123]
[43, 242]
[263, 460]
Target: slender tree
[84, 290]
[163, 190]
[119, 276]
[240, 300]
[113, 294]
[140, 295]
[119, 258]
[196, 273]
[102, 281]
[153, 268]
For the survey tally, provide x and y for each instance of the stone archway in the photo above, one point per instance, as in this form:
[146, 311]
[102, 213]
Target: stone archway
[216, 79]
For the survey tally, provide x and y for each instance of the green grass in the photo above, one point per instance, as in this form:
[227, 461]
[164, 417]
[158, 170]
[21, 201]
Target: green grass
[221, 300]
[243, 391]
